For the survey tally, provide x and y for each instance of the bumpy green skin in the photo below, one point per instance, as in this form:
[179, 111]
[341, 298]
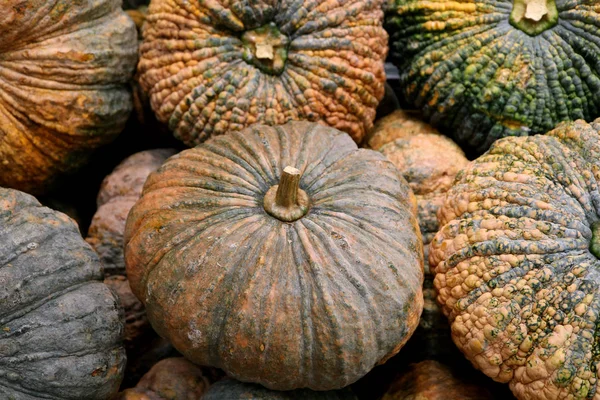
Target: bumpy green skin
[202, 81]
[479, 78]
[64, 70]
[60, 327]
[231, 389]
[515, 274]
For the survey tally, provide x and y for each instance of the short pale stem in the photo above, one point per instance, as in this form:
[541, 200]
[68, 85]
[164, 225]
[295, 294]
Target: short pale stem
[534, 16]
[289, 183]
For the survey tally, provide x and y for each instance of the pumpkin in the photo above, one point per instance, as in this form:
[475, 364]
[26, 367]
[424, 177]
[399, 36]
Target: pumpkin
[400, 124]
[231, 389]
[484, 69]
[283, 255]
[64, 74]
[517, 260]
[171, 379]
[61, 330]
[210, 67]
[431, 380]
[145, 355]
[118, 193]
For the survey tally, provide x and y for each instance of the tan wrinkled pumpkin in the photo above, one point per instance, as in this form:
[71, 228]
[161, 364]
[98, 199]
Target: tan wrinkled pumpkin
[285, 256]
[210, 67]
[64, 68]
[400, 124]
[517, 259]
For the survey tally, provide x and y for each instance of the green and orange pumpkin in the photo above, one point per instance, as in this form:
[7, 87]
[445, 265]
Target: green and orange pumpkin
[283, 255]
[484, 69]
[210, 67]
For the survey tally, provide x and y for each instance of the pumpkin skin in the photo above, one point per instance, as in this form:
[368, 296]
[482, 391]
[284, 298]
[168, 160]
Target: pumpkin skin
[478, 76]
[118, 193]
[432, 380]
[171, 379]
[326, 64]
[231, 389]
[353, 296]
[64, 73]
[516, 262]
[61, 327]
[400, 124]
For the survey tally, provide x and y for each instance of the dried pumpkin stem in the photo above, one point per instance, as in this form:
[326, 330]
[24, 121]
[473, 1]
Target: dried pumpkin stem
[286, 201]
[595, 244]
[266, 48]
[534, 16]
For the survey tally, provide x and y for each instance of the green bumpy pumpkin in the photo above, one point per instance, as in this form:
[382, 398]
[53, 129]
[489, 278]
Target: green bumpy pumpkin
[213, 66]
[60, 326]
[484, 69]
[64, 71]
[303, 277]
[518, 260]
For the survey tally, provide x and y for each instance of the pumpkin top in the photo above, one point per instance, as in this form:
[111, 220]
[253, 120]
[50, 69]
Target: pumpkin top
[517, 265]
[210, 67]
[348, 265]
[480, 70]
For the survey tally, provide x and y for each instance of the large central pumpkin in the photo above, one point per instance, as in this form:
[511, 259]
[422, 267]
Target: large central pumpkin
[484, 69]
[518, 262]
[215, 66]
[285, 256]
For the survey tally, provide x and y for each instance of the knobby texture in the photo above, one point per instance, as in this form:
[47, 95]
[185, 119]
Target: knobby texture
[61, 330]
[64, 67]
[515, 273]
[208, 67]
[313, 303]
[478, 77]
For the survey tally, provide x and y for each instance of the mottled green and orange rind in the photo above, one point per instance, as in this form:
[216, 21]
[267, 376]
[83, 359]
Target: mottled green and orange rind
[314, 303]
[192, 65]
[64, 69]
[515, 274]
[478, 78]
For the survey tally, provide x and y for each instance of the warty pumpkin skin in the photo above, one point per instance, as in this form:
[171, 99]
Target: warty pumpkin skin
[61, 329]
[432, 380]
[118, 193]
[400, 124]
[484, 69]
[312, 301]
[231, 389]
[211, 67]
[517, 262]
[64, 69]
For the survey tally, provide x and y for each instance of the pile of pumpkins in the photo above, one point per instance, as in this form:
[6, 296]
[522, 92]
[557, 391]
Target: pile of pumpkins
[268, 228]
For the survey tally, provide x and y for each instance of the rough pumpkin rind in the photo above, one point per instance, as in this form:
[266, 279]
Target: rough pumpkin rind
[64, 69]
[204, 78]
[478, 77]
[313, 303]
[400, 124]
[515, 273]
[60, 327]
[231, 389]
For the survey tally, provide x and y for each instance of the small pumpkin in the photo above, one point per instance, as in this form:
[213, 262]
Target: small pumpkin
[64, 74]
[517, 260]
[291, 277]
[61, 329]
[432, 380]
[172, 379]
[484, 69]
[211, 67]
[118, 193]
[231, 389]
[399, 124]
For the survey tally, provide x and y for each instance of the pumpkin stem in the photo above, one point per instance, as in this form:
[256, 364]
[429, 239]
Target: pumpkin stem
[286, 201]
[266, 48]
[595, 244]
[534, 16]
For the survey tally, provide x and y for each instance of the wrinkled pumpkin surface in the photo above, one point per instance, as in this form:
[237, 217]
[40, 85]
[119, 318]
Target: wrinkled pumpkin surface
[485, 69]
[214, 66]
[517, 261]
[64, 66]
[231, 389]
[314, 301]
[60, 327]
